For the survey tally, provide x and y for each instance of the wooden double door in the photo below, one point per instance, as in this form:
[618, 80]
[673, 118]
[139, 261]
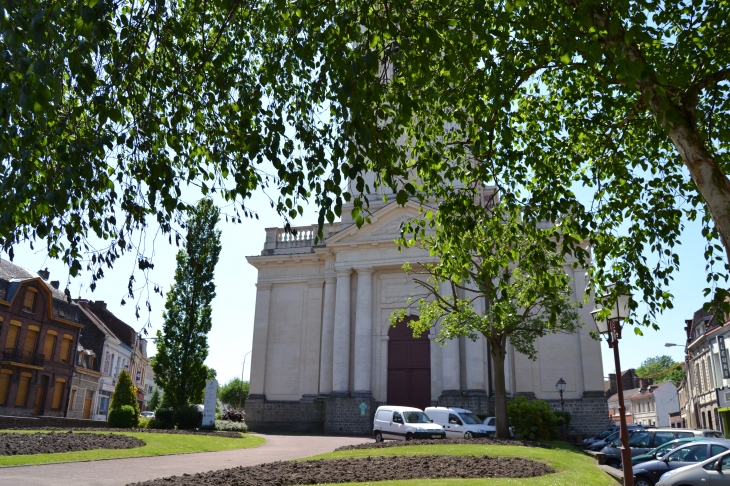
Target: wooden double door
[409, 367]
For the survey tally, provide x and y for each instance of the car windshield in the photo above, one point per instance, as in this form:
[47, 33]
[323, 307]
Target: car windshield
[470, 418]
[604, 434]
[416, 418]
[662, 449]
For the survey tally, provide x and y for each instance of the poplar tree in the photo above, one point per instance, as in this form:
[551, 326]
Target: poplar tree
[182, 345]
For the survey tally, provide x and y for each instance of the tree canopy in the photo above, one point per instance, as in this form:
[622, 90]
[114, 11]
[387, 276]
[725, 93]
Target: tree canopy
[182, 344]
[234, 393]
[608, 118]
[661, 369]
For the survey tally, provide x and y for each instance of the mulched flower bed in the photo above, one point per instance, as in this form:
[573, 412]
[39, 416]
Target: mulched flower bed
[229, 434]
[49, 443]
[401, 443]
[359, 470]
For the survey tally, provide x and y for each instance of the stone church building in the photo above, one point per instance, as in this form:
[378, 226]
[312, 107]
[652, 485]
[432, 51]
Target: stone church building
[324, 356]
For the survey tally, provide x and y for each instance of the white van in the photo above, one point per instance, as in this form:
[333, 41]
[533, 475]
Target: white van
[404, 423]
[458, 423]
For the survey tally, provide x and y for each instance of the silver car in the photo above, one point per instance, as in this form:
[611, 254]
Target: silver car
[711, 472]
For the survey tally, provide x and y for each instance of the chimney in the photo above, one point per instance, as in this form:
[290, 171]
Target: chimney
[55, 284]
[643, 384]
[99, 304]
[44, 274]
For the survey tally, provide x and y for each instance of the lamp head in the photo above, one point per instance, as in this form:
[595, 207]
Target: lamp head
[601, 324]
[560, 385]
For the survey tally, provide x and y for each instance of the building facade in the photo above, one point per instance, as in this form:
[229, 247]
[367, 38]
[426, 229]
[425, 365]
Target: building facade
[39, 333]
[85, 384]
[324, 356]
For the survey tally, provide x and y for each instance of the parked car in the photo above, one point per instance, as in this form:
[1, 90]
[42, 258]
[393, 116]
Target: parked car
[642, 441]
[715, 471]
[659, 452]
[149, 415]
[458, 423]
[404, 423]
[649, 473]
[490, 425]
[600, 444]
[604, 435]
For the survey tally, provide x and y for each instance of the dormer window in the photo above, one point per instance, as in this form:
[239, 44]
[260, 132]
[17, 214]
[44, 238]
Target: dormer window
[29, 300]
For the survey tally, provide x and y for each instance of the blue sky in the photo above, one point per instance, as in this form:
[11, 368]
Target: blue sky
[233, 307]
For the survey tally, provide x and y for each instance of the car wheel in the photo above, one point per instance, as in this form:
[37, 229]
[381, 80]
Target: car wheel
[613, 463]
[409, 436]
[378, 436]
[467, 435]
[643, 481]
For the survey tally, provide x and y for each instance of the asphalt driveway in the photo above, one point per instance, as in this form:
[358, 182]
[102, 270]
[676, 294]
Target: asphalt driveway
[123, 471]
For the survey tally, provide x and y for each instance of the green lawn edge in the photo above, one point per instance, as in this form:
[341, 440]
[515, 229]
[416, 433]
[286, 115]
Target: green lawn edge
[572, 466]
[155, 445]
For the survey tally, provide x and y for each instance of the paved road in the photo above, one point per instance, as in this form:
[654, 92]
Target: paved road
[124, 471]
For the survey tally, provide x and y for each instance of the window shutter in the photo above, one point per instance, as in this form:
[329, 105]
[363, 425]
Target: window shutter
[22, 390]
[65, 348]
[30, 340]
[4, 385]
[57, 392]
[70, 402]
[12, 337]
[48, 347]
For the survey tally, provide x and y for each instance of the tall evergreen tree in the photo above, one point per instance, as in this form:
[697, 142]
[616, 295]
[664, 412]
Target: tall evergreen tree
[155, 400]
[124, 393]
[182, 345]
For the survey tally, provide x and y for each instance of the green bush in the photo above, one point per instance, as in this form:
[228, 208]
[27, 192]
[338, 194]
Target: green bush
[188, 417]
[559, 418]
[230, 425]
[532, 420]
[154, 424]
[143, 423]
[165, 418]
[124, 393]
[124, 417]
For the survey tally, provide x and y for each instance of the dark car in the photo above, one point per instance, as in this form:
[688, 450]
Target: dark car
[599, 444]
[662, 450]
[643, 441]
[648, 473]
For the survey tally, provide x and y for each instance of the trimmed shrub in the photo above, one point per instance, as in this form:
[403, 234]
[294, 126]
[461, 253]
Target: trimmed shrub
[532, 420]
[154, 424]
[230, 425]
[124, 393]
[165, 418]
[124, 417]
[143, 423]
[188, 417]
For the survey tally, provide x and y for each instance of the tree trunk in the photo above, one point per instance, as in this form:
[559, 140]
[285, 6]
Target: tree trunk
[500, 393]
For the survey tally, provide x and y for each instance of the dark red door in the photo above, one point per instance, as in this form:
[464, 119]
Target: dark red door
[409, 367]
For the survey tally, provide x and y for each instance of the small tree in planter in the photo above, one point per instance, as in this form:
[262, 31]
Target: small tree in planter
[124, 409]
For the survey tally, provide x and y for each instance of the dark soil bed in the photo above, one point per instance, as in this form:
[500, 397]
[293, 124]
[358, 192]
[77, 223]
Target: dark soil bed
[48, 443]
[359, 470]
[401, 443]
[229, 434]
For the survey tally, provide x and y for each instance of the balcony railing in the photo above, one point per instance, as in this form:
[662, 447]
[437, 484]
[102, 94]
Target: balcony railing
[279, 239]
[16, 356]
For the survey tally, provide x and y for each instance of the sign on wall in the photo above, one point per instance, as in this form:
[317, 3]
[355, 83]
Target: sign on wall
[106, 364]
[211, 391]
[723, 357]
[139, 376]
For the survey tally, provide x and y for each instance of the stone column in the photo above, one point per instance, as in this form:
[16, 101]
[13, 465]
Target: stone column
[309, 384]
[260, 338]
[450, 359]
[364, 331]
[474, 351]
[328, 330]
[341, 335]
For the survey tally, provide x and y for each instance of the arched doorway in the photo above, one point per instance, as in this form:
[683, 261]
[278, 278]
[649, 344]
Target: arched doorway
[409, 366]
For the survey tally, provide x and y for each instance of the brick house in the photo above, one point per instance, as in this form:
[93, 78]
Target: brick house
[87, 374]
[39, 332]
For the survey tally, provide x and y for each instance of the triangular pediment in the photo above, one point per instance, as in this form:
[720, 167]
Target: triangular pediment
[384, 225]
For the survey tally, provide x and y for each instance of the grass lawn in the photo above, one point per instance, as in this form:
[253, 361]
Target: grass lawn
[573, 467]
[155, 445]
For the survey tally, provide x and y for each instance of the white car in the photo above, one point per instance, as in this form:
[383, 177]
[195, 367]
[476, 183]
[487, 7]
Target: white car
[490, 424]
[149, 415]
[404, 423]
[458, 423]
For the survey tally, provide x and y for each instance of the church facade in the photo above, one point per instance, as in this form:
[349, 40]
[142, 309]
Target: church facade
[324, 355]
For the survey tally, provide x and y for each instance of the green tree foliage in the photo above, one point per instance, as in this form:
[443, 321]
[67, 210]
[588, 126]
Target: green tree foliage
[494, 258]
[532, 419]
[210, 374]
[155, 400]
[661, 369]
[124, 409]
[182, 344]
[234, 393]
[600, 116]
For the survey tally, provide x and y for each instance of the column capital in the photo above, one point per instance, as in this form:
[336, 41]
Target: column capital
[330, 279]
[364, 271]
[264, 285]
[346, 272]
[314, 282]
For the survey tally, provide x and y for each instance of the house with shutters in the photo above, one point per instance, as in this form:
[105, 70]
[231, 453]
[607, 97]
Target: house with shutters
[85, 386]
[39, 332]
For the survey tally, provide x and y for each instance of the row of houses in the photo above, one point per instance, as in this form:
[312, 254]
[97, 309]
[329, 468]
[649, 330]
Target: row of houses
[61, 357]
[705, 392]
[645, 402]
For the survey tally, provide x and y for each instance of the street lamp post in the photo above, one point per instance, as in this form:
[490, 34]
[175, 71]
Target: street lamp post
[240, 395]
[611, 328]
[560, 386]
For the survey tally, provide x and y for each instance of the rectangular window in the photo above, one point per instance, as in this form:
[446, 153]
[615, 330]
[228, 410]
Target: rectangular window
[31, 338]
[70, 402]
[49, 346]
[66, 348]
[29, 300]
[4, 386]
[22, 390]
[58, 393]
[12, 338]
